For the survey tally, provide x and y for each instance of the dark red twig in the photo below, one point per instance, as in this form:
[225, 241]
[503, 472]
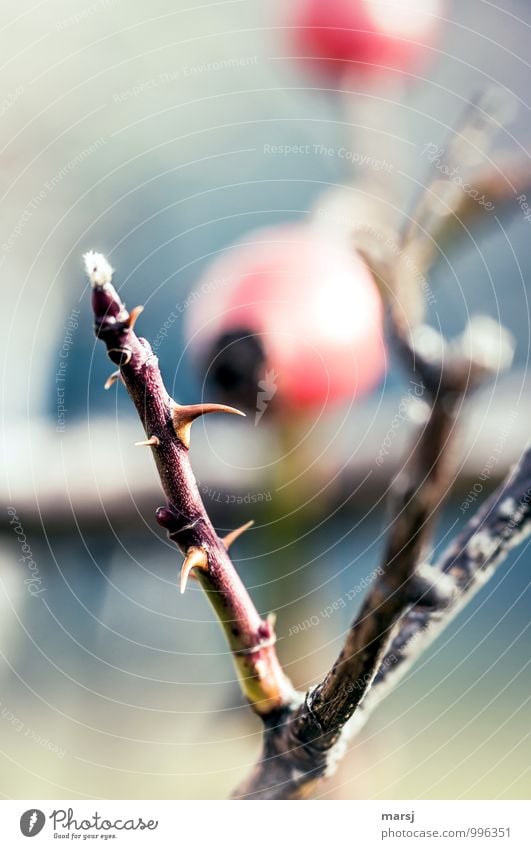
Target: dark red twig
[167, 425]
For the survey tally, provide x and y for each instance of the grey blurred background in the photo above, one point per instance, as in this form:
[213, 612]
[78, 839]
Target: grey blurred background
[140, 131]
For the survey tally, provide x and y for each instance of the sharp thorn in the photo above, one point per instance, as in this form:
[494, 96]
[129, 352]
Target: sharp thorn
[184, 416]
[237, 532]
[116, 375]
[153, 440]
[133, 316]
[196, 558]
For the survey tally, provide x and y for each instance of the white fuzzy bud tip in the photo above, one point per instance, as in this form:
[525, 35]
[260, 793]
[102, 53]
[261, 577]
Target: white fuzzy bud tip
[99, 272]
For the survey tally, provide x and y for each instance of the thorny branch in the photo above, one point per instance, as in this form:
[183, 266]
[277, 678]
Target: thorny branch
[306, 734]
[167, 427]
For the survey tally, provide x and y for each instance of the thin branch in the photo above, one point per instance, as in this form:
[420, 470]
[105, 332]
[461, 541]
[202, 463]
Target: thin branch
[502, 523]
[452, 199]
[418, 492]
[289, 768]
[167, 427]
[305, 746]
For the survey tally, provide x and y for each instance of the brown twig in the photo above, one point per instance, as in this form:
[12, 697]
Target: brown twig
[502, 523]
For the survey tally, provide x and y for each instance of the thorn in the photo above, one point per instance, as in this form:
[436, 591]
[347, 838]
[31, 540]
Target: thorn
[153, 440]
[133, 316]
[183, 417]
[116, 375]
[271, 620]
[195, 558]
[237, 532]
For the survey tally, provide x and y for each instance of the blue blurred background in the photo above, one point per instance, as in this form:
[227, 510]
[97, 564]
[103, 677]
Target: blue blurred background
[142, 132]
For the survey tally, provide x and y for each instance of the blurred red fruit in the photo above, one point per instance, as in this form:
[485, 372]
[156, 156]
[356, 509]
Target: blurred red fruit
[361, 35]
[288, 318]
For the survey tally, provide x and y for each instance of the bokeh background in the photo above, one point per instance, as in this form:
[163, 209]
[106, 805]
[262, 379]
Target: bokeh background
[141, 131]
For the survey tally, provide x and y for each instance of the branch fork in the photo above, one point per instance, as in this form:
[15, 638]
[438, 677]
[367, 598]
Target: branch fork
[305, 734]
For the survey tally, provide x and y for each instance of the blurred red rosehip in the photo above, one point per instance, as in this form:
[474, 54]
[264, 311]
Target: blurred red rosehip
[360, 36]
[289, 318]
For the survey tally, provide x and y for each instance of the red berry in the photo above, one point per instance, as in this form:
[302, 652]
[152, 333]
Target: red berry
[360, 36]
[291, 313]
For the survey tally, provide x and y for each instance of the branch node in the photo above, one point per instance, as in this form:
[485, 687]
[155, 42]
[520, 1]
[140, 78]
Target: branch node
[169, 519]
[263, 644]
[430, 588]
[120, 356]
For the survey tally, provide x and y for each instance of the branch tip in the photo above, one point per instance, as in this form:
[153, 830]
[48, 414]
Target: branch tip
[98, 269]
